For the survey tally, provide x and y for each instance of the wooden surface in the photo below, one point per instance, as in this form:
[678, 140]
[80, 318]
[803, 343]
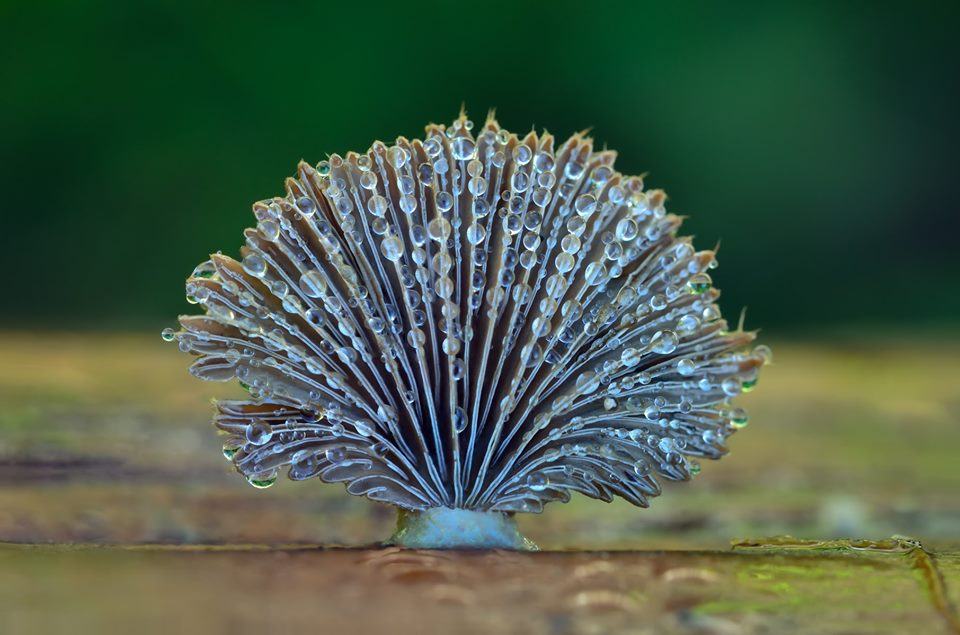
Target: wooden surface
[105, 440]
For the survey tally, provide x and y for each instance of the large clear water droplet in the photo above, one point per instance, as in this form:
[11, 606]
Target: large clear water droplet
[258, 432]
[538, 481]
[313, 284]
[664, 342]
[263, 480]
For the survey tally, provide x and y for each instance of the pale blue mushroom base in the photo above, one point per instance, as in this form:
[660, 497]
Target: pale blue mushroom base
[446, 528]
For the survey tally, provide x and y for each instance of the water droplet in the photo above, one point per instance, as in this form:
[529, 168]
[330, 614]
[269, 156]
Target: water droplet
[313, 284]
[522, 154]
[686, 367]
[664, 342]
[688, 324]
[630, 356]
[463, 148]
[263, 480]
[543, 162]
[537, 481]
[303, 464]
[270, 229]
[255, 265]
[335, 455]
[204, 270]
[459, 420]
[258, 432]
[439, 229]
[585, 204]
[699, 283]
[416, 338]
[731, 386]
[363, 427]
[231, 447]
[397, 156]
[763, 351]
[433, 146]
[588, 383]
[392, 248]
[377, 205]
[168, 334]
[573, 170]
[476, 233]
[738, 418]
[306, 206]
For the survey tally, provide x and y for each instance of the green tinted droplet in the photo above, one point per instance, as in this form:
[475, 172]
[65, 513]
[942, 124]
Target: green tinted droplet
[168, 334]
[262, 482]
[230, 451]
[699, 283]
[204, 270]
[738, 418]
[694, 468]
[323, 168]
[245, 386]
[749, 385]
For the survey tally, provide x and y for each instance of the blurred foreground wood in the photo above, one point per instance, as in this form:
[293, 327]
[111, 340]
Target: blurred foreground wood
[106, 440]
[304, 589]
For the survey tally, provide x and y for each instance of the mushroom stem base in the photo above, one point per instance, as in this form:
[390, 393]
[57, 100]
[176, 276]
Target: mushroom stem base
[446, 528]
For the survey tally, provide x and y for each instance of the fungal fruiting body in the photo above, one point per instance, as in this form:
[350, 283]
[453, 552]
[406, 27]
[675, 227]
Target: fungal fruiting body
[468, 326]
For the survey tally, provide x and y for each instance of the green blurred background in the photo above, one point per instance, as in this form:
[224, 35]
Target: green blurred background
[816, 140]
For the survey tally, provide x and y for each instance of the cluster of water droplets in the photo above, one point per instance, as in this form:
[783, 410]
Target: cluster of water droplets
[480, 321]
